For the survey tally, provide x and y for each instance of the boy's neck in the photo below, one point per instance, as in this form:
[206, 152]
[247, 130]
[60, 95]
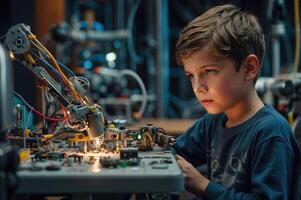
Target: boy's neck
[243, 111]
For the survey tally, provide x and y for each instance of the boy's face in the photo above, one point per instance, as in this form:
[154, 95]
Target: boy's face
[215, 81]
[89, 16]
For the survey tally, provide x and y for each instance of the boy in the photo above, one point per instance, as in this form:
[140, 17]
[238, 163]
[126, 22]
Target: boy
[242, 148]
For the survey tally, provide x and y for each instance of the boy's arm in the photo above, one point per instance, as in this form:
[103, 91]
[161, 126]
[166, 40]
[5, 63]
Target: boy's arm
[195, 182]
[192, 144]
[270, 176]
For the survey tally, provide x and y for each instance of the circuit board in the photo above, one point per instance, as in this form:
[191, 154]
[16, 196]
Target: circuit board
[77, 172]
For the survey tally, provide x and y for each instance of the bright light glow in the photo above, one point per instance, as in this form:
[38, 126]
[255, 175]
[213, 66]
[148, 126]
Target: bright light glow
[11, 55]
[88, 64]
[111, 57]
[98, 141]
[96, 168]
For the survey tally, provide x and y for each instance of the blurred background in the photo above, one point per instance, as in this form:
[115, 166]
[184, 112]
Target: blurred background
[101, 38]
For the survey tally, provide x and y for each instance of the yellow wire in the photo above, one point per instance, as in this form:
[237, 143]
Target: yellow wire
[297, 38]
[149, 137]
[54, 63]
[29, 58]
[67, 82]
[291, 118]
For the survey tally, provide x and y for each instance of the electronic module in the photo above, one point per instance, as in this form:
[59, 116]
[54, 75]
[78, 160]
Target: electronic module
[78, 150]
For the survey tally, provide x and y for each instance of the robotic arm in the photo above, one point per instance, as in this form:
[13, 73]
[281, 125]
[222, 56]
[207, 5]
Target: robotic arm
[82, 113]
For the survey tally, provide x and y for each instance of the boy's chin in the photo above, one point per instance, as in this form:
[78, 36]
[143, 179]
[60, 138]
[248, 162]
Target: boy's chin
[214, 111]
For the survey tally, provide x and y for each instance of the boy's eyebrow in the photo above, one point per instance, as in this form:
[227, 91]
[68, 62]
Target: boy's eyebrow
[203, 66]
[210, 65]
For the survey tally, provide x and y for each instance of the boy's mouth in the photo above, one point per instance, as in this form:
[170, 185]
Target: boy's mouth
[206, 102]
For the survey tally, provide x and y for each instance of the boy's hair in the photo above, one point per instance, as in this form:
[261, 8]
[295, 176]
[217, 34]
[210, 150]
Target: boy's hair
[226, 31]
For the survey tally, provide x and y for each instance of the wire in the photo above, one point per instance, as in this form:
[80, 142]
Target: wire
[38, 112]
[2, 37]
[44, 61]
[24, 101]
[149, 137]
[27, 120]
[48, 118]
[41, 54]
[297, 38]
[59, 133]
[49, 99]
[40, 47]
[291, 118]
[62, 132]
[161, 130]
[52, 59]
[68, 83]
[35, 130]
[84, 83]
[71, 73]
[26, 126]
[59, 127]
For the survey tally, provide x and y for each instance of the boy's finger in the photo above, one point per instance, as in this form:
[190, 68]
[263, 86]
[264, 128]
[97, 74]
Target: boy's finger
[179, 157]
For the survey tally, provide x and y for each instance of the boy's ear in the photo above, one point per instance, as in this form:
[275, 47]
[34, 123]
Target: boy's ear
[251, 67]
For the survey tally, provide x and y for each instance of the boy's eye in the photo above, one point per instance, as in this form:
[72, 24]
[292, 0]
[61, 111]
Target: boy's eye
[211, 71]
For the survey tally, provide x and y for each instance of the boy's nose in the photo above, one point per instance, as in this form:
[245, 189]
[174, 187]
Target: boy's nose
[200, 88]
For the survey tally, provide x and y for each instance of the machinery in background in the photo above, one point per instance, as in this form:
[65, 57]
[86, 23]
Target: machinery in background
[63, 32]
[121, 93]
[284, 93]
[118, 45]
[112, 88]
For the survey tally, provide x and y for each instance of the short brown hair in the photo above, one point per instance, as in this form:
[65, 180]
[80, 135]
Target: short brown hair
[225, 30]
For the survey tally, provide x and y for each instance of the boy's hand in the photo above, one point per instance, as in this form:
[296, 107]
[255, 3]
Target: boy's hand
[195, 182]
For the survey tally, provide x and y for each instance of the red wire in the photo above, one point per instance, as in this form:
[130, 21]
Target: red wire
[49, 118]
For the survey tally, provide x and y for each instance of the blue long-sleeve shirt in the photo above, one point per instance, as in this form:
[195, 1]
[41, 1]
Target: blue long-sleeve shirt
[258, 159]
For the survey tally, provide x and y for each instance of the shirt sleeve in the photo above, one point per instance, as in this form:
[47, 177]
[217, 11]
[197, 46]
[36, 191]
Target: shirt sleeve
[192, 144]
[271, 174]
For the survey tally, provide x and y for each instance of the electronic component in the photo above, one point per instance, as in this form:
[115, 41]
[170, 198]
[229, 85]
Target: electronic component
[82, 113]
[159, 136]
[156, 171]
[108, 158]
[128, 153]
[108, 162]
